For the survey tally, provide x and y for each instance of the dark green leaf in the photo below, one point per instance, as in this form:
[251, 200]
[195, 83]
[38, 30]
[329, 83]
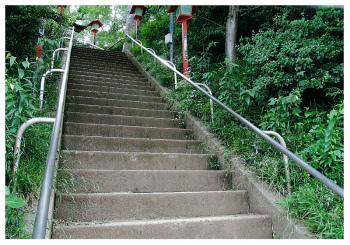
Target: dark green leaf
[12, 60]
[14, 202]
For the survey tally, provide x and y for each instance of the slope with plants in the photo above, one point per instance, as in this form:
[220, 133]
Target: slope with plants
[23, 71]
[288, 78]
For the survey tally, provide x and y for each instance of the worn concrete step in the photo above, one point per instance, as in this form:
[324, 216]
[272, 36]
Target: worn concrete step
[101, 61]
[112, 90]
[112, 84]
[78, 78]
[107, 160]
[103, 66]
[136, 75]
[108, 69]
[81, 117]
[109, 95]
[241, 226]
[144, 181]
[115, 102]
[89, 129]
[73, 107]
[100, 54]
[124, 76]
[77, 207]
[98, 143]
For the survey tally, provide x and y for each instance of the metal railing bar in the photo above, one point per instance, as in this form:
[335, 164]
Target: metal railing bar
[93, 45]
[337, 189]
[44, 200]
[42, 86]
[122, 39]
[285, 158]
[53, 54]
[20, 133]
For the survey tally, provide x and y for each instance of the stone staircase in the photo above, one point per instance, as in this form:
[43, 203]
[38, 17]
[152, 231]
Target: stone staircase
[136, 170]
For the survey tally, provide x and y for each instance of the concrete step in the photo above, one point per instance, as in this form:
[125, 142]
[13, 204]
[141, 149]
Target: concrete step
[110, 74]
[98, 143]
[89, 129]
[81, 117]
[109, 95]
[112, 84]
[241, 226]
[100, 54]
[72, 107]
[105, 68]
[108, 160]
[144, 181]
[115, 102]
[101, 61]
[105, 207]
[111, 90]
[122, 76]
[76, 78]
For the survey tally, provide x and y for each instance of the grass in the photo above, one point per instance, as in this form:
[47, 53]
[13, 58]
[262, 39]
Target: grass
[311, 201]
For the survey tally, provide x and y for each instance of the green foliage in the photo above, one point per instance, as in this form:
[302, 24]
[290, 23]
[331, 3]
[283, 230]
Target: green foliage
[322, 210]
[288, 78]
[22, 82]
[303, 55]
[22, 25]
[12, 201]
[112, 17]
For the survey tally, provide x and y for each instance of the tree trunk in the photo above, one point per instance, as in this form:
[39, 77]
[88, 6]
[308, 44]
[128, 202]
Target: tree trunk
[130, 22]
[231, 33]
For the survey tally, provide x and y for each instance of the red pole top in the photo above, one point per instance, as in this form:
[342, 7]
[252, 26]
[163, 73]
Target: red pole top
[62, 7]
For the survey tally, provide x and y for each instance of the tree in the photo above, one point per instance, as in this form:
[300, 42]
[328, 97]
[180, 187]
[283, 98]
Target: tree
[231, 33]
[22, 25]
[130, 22]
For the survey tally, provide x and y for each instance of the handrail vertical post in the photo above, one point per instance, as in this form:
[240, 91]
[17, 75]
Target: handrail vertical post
[20, 133]
[42, 86]
[285, 158]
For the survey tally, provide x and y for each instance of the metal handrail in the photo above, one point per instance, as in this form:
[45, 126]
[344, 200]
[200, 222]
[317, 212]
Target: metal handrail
[42, 86]
[121, 39]
[337, 189]
[285, 158]
[44, 200]
[53, 55]
[95, 46]
[20, 133]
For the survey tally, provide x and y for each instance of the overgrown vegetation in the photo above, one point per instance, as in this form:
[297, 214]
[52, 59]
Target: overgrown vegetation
[23, 72]
[288, 78]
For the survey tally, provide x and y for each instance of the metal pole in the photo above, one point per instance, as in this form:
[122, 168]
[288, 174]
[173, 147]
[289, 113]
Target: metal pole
[172, 37]
[285, 158]
[20, 133]
[184, 48]
[42, 86]
[44, 200]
